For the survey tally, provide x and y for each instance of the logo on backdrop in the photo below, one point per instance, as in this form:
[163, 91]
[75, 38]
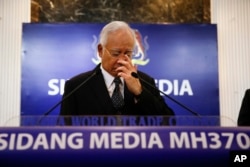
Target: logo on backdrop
[140, 54]
[176, 87]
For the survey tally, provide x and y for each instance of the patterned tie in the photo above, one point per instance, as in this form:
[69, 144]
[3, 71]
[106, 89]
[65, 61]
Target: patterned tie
[117, 98]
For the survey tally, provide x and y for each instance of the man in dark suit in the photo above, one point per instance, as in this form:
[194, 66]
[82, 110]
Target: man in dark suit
[244, 114]
[95, 97]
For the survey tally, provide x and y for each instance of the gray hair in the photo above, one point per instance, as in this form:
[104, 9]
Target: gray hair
[112, 27]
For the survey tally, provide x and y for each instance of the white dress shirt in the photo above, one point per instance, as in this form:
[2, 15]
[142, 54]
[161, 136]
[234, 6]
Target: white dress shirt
[108, 79]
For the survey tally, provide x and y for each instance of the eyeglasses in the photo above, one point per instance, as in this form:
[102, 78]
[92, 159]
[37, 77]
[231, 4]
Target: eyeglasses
[116, 53]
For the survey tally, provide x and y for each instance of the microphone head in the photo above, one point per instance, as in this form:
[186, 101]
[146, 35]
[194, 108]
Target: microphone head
[135, 75]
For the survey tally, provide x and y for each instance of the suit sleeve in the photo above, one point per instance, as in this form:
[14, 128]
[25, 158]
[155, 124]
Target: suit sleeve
[67, 109]
[151, 102]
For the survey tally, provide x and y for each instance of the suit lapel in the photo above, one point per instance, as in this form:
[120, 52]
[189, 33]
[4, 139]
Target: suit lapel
[99, 88]
[101, 92]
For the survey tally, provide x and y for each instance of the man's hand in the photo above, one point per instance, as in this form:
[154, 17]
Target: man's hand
[124, 71]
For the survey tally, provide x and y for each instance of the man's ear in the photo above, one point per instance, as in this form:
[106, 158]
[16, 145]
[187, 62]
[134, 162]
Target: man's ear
[100, 50]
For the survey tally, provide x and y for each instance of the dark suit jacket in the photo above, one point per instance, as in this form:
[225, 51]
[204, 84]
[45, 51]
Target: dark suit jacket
[93, 98]
[244, 114]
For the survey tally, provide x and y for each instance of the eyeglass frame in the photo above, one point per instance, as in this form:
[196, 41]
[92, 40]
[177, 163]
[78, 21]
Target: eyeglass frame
[119, 53]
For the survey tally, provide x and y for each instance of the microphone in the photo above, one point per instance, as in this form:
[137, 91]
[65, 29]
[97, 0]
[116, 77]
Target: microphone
[72, 92]
[135, 75]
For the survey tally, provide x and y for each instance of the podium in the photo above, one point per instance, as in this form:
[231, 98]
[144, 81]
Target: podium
[119, 145]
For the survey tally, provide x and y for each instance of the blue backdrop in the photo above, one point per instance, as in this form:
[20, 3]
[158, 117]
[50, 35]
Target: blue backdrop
[182, 58]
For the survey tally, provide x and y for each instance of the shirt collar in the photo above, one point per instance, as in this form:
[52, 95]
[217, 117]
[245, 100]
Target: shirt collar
[108, 78]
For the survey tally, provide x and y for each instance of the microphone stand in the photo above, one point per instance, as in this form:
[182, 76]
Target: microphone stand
[135, 75]
[68, 95]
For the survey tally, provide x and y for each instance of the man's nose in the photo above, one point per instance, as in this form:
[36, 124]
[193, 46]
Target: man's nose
[126, 56]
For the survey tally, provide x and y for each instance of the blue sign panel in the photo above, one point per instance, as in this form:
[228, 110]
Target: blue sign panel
[181, 57]
[119, 146]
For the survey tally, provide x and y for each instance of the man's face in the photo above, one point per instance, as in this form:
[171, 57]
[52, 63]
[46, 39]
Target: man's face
[120, 45]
